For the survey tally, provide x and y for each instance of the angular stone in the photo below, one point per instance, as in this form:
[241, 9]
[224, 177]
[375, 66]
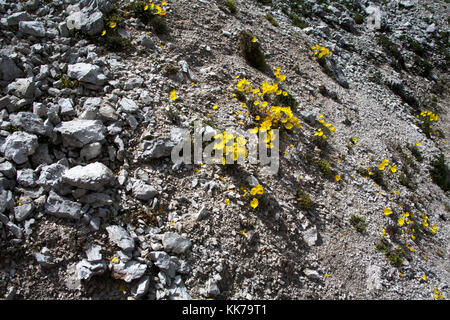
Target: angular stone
[23, 212]
[93, 253]
[26, 178]
[18, 146]
[50, 176]
[173, 242]
[143, 191]
[91, 151]
[86, 270]
[32, 28]
[22, 88]
[128, 105]
[8, 69]
[61, 207]
[8, 169]
[120, 237]
[129, 271]
[86, 72]
[77, 133]
[93, 176]
[29, 122]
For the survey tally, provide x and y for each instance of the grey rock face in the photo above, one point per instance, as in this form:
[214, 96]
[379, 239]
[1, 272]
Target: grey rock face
[141, 288]
[26, 178]
[15, 18]
[44, 258]
[8, 69]
[77, 133]
[86, 270]
[93, 253]
[22, 88]
[8, 170]
[93, 176]
[18, 146]
[61, 207]
[50, 176]
[23, 212]
[120, 237]
[143, 191]
[86, 72]
[29, 122]
[90, 23]
[310, 236]
[128, 105]
[164, 262]
[129, 271]
[173, 242]
[32, 28]
[162, 147]
[91, 151]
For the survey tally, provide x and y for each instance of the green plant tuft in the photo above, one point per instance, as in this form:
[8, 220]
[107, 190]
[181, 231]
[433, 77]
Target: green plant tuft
[440, 173]
[252, 51]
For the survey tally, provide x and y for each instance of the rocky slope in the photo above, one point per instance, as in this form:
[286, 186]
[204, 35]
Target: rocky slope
[92, 206]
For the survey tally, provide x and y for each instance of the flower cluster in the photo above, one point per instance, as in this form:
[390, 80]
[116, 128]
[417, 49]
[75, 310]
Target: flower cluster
[270, 116]
[384, 163]
[437, 295]
[155, 8]
[327, 129]
[230, 145]
[257, 190]
[320, 51]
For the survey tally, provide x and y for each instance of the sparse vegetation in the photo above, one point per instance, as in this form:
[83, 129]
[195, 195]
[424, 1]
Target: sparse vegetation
[252, 52]
[358, 222]
[231, 5]
[440, 173]
[303, 199]
[325, 167]
[271, 19]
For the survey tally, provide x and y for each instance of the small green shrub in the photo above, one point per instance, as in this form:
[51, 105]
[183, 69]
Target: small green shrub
[231, 5]
[392, 255]
[271, 19]
[415, 152]
[303, 199]
[359, 223]
[440, 173]
[147, 17]
[252, 51]
[325, 167]
[116, 42]
[392, 50]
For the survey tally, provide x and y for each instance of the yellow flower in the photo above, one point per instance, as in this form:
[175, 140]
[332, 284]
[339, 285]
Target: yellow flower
[173, 95]
[435, 227]
[112, 24]
[215, 107]
[401, 221]
[146, 8]
[258, 189]
[418, 143]
[326, 275]
[393, 169]
[227, 201]
[254, 40]
[383, 231]
[158, 10]
[337, 178]
[254, 203]
[103, 32]
[113, 260]
[387, 211]
[424, 277]
[164, 3]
